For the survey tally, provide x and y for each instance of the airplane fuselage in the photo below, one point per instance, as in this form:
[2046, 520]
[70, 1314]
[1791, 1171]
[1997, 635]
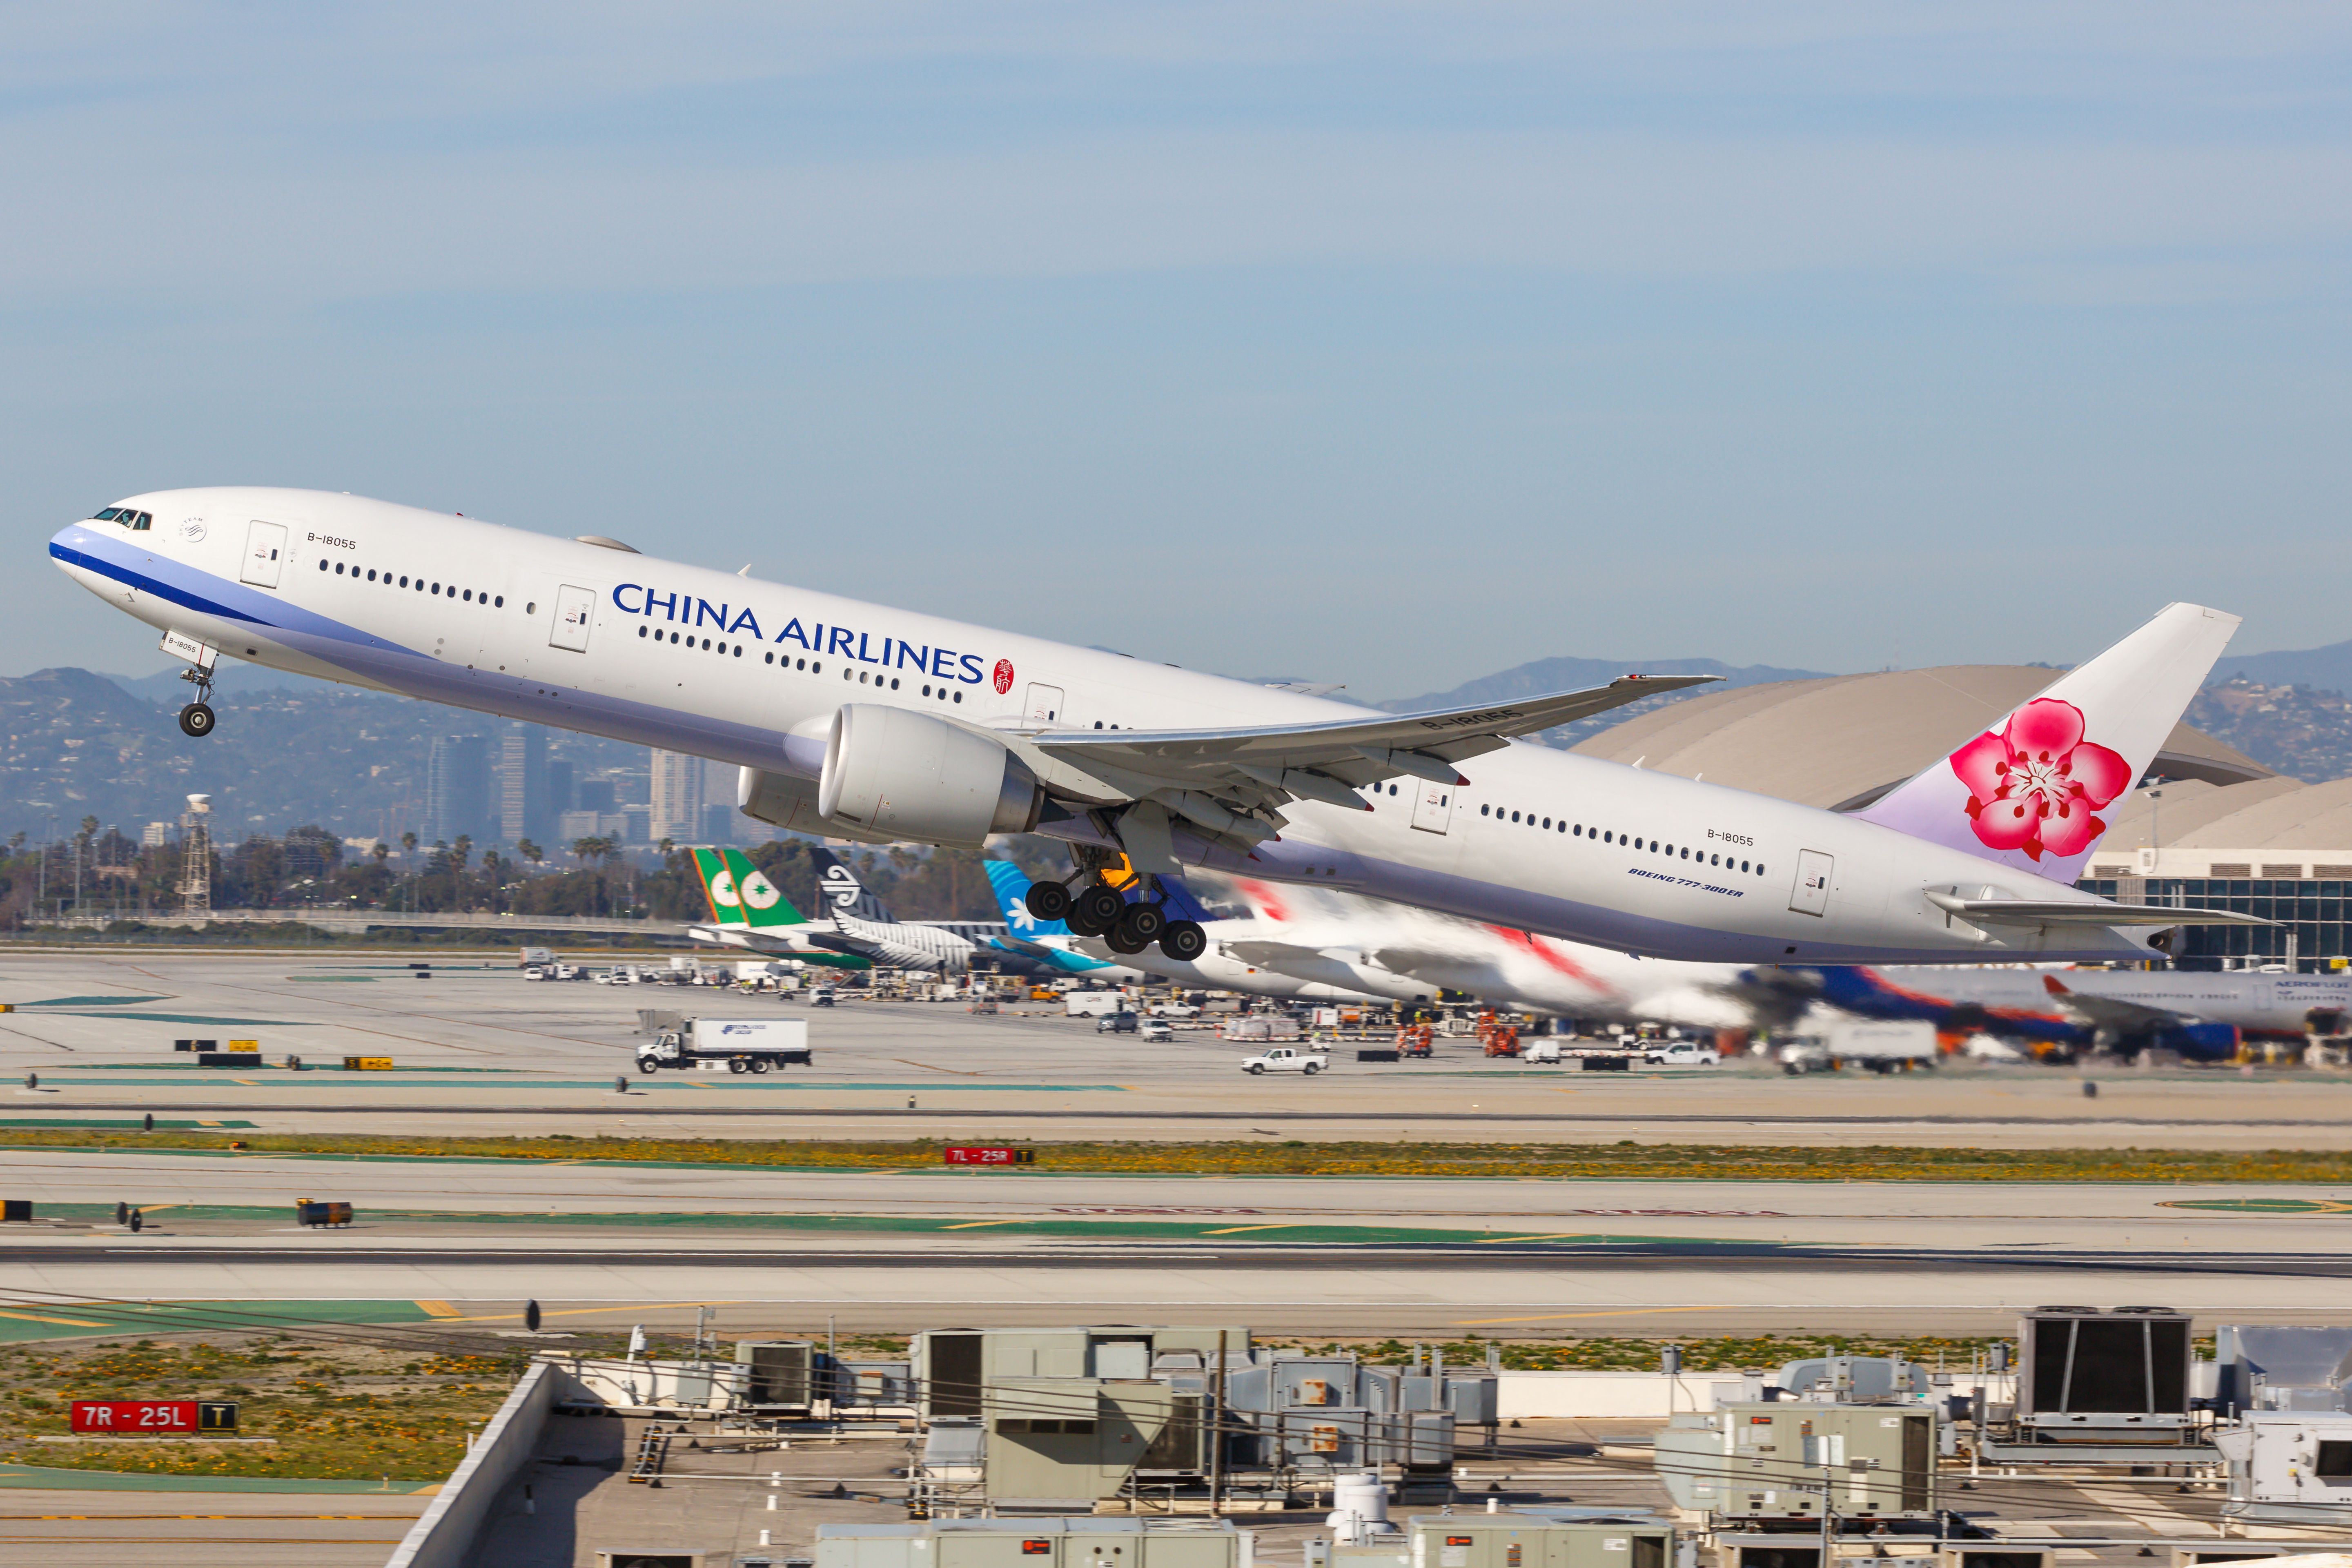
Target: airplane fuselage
[614, 643]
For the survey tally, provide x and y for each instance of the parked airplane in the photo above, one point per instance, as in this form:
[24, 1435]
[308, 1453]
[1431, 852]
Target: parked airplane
[1409, 955]
[860, 924]
[2201, 1016]
[1212, 970]
[856, 721]
[749, 911]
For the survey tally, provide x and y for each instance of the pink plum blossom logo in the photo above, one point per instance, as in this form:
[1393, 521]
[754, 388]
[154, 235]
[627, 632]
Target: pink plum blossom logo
[2037, 785]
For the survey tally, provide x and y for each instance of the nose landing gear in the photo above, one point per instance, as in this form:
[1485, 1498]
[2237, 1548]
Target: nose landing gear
[196, 719]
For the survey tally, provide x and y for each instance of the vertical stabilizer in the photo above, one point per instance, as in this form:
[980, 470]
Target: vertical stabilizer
[1011, 884]
[843, 893]
[740, 893]
[2035, 791]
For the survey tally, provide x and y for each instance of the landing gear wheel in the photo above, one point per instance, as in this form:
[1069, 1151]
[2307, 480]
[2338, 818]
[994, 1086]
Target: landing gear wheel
[737, 1064]
[1183, 941]
[1142, 924]
[1094, 912]
[1047, 901]
[196, 719]
[1120, 940]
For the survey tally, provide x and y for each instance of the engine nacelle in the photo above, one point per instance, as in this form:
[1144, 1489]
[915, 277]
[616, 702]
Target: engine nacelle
[911, 775]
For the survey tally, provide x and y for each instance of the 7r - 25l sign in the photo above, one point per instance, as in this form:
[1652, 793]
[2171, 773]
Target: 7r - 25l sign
[154, 1417]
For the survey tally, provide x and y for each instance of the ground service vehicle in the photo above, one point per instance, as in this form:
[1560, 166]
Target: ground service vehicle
[1283, 1058]
[1092, 1004]
[1155, 1029]
[1880, 1047]
[745, 1044]
[1681, 1054]
[1116, 1024]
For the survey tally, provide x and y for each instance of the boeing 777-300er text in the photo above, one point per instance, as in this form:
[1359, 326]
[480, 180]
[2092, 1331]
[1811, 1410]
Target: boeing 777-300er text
[859, 722]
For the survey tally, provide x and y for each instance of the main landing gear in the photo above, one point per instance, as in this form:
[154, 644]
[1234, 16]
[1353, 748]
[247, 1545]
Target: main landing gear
[1099, 910]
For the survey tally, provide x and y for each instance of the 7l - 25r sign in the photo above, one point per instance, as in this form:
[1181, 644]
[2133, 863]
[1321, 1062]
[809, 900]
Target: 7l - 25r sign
[154, 1417]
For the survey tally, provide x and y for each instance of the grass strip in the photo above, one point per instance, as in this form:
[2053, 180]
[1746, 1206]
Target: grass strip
[1625, 1160]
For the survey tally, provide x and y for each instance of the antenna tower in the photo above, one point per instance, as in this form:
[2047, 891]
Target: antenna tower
[196, 856]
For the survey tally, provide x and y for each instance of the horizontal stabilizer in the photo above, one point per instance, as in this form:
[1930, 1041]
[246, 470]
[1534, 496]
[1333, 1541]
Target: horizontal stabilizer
[2054, 912]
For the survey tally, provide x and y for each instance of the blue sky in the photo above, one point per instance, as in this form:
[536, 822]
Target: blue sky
[1388, 344]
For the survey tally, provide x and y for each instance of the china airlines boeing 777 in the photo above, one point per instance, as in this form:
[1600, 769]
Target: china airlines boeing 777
[860, 721]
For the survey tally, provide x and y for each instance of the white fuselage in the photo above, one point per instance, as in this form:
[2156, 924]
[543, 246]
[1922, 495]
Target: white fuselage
[580, 635]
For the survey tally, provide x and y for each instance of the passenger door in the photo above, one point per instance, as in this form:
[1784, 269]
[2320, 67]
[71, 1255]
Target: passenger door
[1044, 704]
[1432, 806]
[1811, 896]
[264, 552]
[573, 608]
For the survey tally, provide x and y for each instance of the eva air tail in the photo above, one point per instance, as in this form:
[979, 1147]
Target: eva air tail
[741, 894]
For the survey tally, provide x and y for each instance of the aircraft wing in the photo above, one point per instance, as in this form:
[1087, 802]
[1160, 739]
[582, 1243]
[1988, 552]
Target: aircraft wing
[2057, 912]
[1266, 765]
[2108, 1012]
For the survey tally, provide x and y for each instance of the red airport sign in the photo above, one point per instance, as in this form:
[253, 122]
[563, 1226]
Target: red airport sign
[967, 1155]
[153, 1417]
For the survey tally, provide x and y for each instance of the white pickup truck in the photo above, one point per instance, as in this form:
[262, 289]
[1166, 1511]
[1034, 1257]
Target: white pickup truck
[1283, 1058]
[1680, 1054]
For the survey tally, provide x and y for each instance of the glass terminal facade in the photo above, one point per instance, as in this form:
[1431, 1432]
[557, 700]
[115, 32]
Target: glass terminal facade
[2312, 916]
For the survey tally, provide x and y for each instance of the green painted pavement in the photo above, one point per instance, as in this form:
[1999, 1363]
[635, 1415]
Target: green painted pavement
[92, 1000]
[183, 1018]
[21, 1321]
[50, 1478]
[2266, 1206]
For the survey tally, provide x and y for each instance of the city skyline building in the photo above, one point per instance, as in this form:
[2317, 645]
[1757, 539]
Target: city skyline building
[457, 791]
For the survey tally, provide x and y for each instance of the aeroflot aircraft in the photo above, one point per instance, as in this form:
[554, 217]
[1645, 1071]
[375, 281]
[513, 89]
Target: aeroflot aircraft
[861, 721]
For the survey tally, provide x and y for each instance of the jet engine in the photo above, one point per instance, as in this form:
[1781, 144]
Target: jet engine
[911, 775]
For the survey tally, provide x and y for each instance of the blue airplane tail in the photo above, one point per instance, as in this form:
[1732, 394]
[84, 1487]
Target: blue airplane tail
[1010, 882]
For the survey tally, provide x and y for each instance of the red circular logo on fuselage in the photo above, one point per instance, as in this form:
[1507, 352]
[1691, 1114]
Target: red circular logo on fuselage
[1004, 675]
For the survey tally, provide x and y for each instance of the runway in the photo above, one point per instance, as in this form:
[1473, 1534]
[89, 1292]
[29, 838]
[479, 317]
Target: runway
[480, 1050]
[894, 1250]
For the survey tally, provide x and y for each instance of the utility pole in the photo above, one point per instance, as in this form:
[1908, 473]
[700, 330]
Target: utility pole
[1217, 1435]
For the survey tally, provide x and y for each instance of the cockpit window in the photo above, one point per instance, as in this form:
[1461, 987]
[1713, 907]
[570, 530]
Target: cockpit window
[146, 520]
[110, 515]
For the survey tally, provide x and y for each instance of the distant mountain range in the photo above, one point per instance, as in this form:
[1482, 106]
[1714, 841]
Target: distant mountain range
[1545, 675]
[2326, 669]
